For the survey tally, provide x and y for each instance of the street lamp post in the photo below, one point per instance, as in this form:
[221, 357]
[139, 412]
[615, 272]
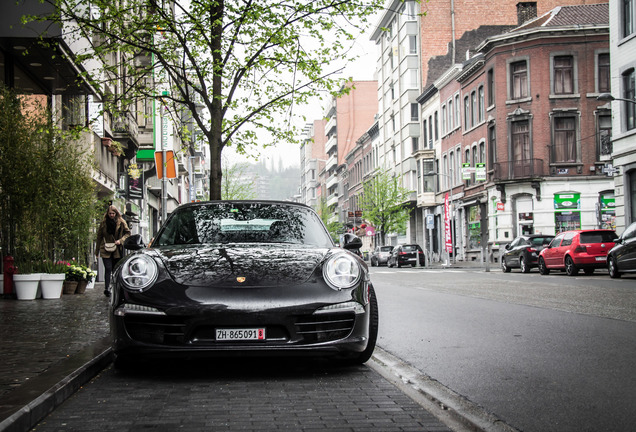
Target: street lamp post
[607, 97]
[452, 216]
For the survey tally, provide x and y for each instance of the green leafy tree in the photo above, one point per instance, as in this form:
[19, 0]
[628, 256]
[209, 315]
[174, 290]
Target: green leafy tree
[47, 196]
[238, 183]
[325, 212]
[383, 203]
[247, 63]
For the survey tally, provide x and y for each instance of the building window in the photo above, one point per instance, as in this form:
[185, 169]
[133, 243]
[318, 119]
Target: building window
[481, 108]
[604, 136]
[482, 152]
[457, 110]
[412, 44]
[428, 176]
[563, 74]
[628, 17]
[603, 80]
[466, 113]
[629, 93]
[450, 115]
[451, 174]
[519, 80]
[473, 109]
[415, 143]
[520, 140]
[467, 161]
[430, 132]
[631, 182]
[444, 172]
[492, 147]
[415, 112]
[443, 119]
[491, 87]
[425, 130]
[436, 126]
[564, 139]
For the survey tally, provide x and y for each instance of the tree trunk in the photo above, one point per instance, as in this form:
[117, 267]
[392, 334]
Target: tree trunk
[215, 138]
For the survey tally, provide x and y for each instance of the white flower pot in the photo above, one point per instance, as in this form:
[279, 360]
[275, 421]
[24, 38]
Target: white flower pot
[91, 284]
[51, 284]
[26, 286]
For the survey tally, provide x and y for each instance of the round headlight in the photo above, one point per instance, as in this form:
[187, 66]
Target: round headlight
[139, 273]
[341, 271]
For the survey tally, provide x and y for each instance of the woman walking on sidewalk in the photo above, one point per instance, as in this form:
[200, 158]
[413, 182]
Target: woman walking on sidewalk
[111, 234]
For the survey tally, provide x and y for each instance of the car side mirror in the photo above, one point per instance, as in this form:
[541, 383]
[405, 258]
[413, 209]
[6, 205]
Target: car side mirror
[508, 246]
[134, 242]
[350, 241]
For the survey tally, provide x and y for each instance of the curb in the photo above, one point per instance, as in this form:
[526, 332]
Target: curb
[26, 405]
[448, 406]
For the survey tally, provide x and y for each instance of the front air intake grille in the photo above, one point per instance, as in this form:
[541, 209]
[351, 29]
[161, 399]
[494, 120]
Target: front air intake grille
[325, 327]
[160, 330]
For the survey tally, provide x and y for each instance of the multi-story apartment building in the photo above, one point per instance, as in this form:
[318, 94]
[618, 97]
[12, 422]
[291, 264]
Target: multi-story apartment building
[623, 89]
[399, 85]
[347, 119]
[530, 134]
[312, 162]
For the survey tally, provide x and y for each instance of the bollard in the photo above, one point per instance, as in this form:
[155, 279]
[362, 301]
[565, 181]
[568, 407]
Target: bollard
[9, 271]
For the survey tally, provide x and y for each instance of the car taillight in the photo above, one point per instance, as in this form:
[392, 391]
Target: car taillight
[580, 249]
[402, 253]
[531, 250]
[420, 252]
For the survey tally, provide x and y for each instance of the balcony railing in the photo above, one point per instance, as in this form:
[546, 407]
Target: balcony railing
[518, 169]
[125, 126]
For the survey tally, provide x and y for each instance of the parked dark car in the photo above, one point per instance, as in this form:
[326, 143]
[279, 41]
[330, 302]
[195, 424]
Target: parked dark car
[622, 257]
[523, 252]
[380, 255]
[575, 250]
[243, 278]
[406, 254]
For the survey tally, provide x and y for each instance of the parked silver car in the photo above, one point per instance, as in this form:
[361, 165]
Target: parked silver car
[380, 255]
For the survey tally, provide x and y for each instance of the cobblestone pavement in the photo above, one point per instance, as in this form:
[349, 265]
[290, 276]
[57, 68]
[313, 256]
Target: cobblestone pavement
[36, 334]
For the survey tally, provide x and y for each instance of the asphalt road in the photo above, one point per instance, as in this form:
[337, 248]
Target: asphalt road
[542, 353]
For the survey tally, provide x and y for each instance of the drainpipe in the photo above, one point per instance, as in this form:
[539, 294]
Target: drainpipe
[453, 32]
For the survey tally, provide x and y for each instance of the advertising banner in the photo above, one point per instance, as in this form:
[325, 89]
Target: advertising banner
[447, 225]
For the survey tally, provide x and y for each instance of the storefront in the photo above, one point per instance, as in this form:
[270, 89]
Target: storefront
[567, 211]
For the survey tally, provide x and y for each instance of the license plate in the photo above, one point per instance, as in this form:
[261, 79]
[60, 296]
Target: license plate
[601, 258]
[240, 334]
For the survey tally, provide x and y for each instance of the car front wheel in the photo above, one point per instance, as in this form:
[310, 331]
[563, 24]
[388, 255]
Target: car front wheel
[373, 331]
[612, 268]
[542, 267]
[570, 268]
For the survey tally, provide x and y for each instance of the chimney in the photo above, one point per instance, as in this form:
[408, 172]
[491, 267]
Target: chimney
[526, 11]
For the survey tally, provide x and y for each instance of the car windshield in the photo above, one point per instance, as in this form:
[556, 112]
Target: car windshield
[410, 248]
[252, 222]
[598, 237]
[386, 248]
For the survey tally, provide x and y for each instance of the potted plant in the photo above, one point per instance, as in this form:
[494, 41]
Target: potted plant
[74, 274]
[116, 148]
[92, 276]
[26, 282]
[52, 279]
[83, 283]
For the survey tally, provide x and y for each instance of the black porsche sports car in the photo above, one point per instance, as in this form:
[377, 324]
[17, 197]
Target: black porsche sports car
[243, 278]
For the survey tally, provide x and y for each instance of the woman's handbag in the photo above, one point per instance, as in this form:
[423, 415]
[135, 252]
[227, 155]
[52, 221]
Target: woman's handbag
[110, 247]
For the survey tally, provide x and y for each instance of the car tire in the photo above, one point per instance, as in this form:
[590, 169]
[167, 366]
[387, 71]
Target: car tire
[543, 269]
[374, 320]
[504, 266]
[374, 263]
[612, 268]
[525, 268]
[570, 268]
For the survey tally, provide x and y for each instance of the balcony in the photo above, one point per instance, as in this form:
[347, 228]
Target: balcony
[332, 181]
[332, 199]
[331, 143]
[124, 126]
[518, 169]
[331, 162]
[331, 124]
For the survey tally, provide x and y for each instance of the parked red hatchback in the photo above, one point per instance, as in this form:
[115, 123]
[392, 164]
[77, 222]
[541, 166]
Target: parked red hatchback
[575, 250]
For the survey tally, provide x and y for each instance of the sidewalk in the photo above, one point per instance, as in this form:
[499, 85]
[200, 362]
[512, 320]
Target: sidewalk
[49, 349]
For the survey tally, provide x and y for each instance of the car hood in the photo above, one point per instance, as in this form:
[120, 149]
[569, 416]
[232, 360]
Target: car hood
[241, 265]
